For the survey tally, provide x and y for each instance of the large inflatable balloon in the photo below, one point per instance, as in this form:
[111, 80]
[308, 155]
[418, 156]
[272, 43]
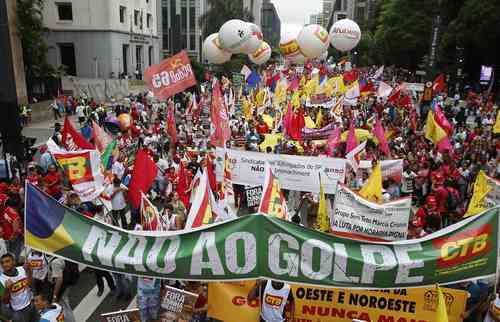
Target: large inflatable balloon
[345, 35]
[125, 121]
[289, 47]
[262, 55]
[234, 34]
[313, 40]
[255, 40]
[298, 59]
[213, 52]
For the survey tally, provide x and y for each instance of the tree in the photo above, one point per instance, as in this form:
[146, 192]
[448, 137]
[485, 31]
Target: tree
[221, 11]
[31, 31]
[403, 31]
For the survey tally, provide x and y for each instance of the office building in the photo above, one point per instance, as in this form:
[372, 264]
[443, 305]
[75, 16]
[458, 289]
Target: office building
[271, 24]
[102, 39]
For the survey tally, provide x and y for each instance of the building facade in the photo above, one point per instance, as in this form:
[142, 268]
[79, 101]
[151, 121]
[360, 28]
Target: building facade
[271, 24]
[357, 10]
[180, 27]
[103, 39]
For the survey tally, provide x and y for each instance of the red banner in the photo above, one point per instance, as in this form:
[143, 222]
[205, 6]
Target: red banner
[171, 76]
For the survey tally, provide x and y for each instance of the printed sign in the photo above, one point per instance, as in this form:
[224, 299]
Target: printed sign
[122, 316]
[83, 171]
[177, 305]
[312, 304]
[171, 76]
[253, 195]
[294, 172]
[354, 216]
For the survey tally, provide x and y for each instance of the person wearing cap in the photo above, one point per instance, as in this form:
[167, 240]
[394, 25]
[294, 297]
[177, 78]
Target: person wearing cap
[439, 191]
[428, 214]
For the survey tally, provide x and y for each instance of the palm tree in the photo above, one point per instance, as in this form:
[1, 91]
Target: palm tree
[221, 11]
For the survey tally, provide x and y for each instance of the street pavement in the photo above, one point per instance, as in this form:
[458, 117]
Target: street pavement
[42, 131]
[85, 303]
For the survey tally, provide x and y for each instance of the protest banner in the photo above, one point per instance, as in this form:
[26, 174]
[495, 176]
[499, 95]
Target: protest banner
[318, 134]
[171, 76]
[82, 168]
[131, 315]
[253, 196]
[492, 199]
[227, 300]
[259, 246]
[294, 172]
[390, 168]
[355, 217]
[177, 305]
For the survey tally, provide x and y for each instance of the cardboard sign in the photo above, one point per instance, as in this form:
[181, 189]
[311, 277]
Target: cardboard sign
[171, 76]
[253, 195]
[177, 305]
[131, 315]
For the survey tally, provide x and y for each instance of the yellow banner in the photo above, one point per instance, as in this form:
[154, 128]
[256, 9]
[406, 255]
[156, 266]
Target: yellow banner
[229, 300]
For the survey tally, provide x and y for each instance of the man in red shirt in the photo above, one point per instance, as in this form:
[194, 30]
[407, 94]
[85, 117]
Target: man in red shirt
[261, 127]
[52, 182]
[440, 192]
[12, 229]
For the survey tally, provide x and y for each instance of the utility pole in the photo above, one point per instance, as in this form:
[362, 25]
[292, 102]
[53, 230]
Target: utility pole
[436, 29]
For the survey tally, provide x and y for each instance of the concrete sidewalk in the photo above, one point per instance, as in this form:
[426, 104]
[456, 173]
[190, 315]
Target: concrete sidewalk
[42, 130]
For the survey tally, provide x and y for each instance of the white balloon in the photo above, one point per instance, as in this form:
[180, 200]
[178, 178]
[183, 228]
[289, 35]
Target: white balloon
[255, 40]
[345, 35]
[313, 40]
[290, 48]
[262, 55]
[234, 34]
[213, 52]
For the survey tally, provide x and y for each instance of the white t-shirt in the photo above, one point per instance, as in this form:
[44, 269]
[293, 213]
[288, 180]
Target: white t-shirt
[408, 181]
[118, 169]
[20, 292]
[118, 201]
[55, 314]
[80, 111]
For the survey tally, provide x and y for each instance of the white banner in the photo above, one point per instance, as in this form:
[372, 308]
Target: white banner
[294, 172]
[354, 216]
[390, 168]
[493, 197]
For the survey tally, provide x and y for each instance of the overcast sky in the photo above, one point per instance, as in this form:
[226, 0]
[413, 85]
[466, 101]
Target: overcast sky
[295, 13]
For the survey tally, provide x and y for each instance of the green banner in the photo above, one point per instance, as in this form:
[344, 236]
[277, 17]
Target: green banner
[260, 246]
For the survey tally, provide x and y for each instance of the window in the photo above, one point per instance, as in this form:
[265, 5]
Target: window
[165, 39]
[67, 52]
[184, 18]
[192, 18]
[138, 58]
[125, 58]
[142, 25]
[192, 42]
[136, 17]
[150, 55]
[164, 18]
[65, 11]
[149, 20]
[123, 14]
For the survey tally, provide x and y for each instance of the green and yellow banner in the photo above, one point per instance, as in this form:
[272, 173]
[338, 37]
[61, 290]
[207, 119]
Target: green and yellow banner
[260, 246]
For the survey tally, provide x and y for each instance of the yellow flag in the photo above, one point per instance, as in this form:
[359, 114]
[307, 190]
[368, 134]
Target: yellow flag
[260, 97]
[268, 119]
[319, 118]
[441, 313]
[340, 86]
[496, 127]
[372, 190]
[311, 86]
[481, 189]
[329, 87]
[322, 218]
[302, 81]
[309, 122]
[296, 99]
[278, 94]
[433, 131]
[247, 109]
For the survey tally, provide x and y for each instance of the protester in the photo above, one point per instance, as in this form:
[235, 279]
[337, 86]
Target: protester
[49, 312]
[274, 296]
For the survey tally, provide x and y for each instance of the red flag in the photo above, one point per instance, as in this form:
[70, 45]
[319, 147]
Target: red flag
[171, 126]
[350, 76]
[143, 175]
[272, 202]
[405, 101]
[101, 138]
[334, 141]
[351, 138]
[72, 139]
[150, 219]
[220, 120]
[171, 76]
[394, 97]
[413, 119]
[442, 120]
[182, 185]
[367, 88]
[379, 132]
[211, 174]
[439, 84]
[287, 119]
[297, 124]
[201, 210]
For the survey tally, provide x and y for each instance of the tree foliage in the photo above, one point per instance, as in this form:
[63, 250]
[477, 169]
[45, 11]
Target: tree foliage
[221, 11]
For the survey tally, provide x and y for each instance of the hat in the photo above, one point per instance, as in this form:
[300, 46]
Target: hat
[431, 201]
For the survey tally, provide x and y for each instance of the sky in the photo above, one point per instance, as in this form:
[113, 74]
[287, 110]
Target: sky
[295, 13]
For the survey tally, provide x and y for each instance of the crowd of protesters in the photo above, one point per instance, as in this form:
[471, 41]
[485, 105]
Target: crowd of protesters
[440, 183]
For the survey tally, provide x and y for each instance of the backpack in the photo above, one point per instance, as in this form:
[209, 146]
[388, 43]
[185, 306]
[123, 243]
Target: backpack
[452, 200]
[71, 273]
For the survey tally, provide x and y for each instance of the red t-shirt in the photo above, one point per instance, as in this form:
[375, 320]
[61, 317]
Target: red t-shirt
[50, 178]
[262, 128]
[11, 223]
